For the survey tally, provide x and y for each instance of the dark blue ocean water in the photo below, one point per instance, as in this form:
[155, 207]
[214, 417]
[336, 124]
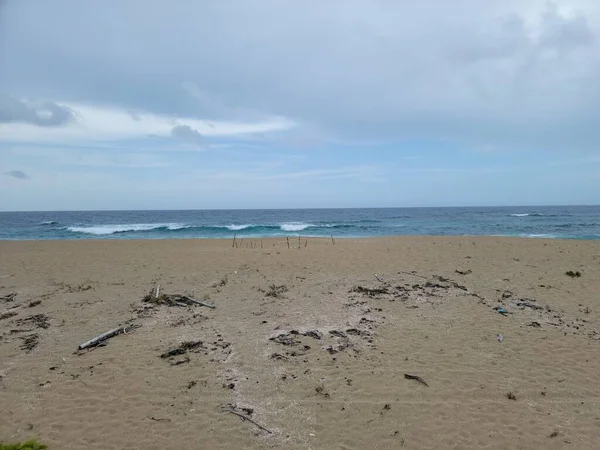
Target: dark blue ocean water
[572, 222]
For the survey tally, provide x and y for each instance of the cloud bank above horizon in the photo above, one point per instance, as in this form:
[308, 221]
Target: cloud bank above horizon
[400, 103]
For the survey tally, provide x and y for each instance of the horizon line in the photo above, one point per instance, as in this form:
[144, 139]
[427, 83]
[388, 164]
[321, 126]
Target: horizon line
[295, 209]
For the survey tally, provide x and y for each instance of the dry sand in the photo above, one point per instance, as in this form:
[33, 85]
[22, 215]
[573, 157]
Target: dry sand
[322, 390]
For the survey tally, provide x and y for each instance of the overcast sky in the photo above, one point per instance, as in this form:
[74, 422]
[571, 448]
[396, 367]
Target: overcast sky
[280, 104]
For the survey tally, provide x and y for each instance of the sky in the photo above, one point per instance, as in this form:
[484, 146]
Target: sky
[154, 104]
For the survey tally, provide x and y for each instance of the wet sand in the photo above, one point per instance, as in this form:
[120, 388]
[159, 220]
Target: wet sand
[312, 343]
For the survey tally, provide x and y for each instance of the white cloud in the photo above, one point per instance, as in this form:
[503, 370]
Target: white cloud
[103, 123]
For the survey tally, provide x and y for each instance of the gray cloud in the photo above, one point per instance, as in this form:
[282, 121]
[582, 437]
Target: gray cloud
[18, 174]
[45, 114]
[188, 134]
[517, 73]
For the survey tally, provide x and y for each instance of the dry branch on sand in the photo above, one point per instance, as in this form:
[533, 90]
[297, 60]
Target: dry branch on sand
[173, 300]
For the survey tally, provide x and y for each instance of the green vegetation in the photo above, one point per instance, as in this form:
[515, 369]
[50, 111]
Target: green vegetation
[29, 445]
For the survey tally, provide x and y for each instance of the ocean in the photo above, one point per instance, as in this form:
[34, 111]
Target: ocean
[568, 222]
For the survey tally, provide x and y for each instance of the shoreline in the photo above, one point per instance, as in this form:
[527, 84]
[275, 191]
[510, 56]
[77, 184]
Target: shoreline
[308, 237]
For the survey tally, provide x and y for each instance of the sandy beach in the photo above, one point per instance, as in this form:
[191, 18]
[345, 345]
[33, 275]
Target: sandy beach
[313, 343]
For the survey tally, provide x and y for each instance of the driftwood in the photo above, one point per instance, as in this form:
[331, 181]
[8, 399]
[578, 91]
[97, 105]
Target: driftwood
[244, 418]
[157, 291]
[104, 336]
[378, 278]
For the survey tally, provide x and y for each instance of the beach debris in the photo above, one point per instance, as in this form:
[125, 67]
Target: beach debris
[511, 396]
[413, 273]
[342, 345]
[173, 300]
[285, 339]
[528, 303]
[158, 420]
[534, 324]
[38, 320]
[464, 272]
[34, 303]
[370, 292]
[416, 378]
[315, 334]
[275, 291]
[337, 333]
[183, 348]
[206, 348]
[7, 315]
[29, 342]
[178, 362]
[501, 310]
[553, 434]
[500, 338]
[378, 278]
[572, 274]
[245, 418]
[320, 390]
[104, 336]
[8, 297]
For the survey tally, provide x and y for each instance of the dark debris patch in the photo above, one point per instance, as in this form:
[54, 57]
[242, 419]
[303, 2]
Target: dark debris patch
[37, 320]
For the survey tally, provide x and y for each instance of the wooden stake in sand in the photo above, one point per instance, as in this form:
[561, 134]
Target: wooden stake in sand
[157, 291]
[104, 336]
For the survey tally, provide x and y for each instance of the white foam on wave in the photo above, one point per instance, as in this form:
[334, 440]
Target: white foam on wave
[295, 226]
[519, 215]
[238, 227]
[49, 222]
[122, 228]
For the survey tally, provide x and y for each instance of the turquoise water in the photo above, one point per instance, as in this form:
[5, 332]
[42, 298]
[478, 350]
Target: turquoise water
[570, 222]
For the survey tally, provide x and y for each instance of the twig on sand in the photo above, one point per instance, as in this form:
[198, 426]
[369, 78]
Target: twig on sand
[413, 274]
[244, 418]
[104, 336]
[198, 302]
[415, 377]
[378, 278]
[158, 420]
